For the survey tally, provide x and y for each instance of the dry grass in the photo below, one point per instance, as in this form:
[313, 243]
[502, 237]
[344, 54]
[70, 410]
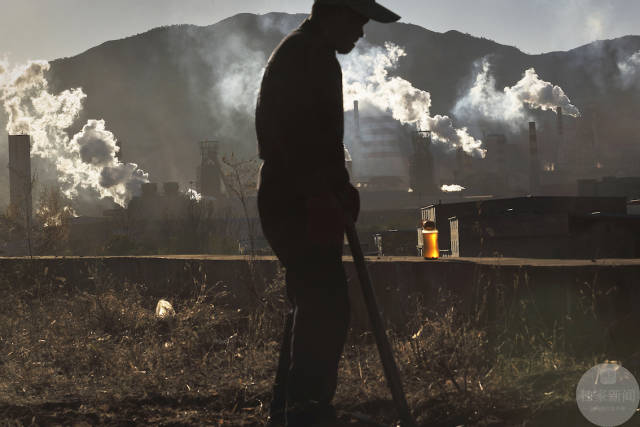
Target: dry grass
[99, 356]
[104, 354]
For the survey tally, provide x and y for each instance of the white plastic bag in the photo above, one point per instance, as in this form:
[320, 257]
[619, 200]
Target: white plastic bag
[164, 310]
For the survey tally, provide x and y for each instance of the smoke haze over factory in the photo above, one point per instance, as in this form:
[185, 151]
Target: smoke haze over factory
[84, 165]
[179, 85]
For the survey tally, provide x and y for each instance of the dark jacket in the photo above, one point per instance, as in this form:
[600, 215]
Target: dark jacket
[300, 115]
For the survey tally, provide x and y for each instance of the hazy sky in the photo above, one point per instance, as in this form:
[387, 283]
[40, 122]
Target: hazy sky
[49, 29]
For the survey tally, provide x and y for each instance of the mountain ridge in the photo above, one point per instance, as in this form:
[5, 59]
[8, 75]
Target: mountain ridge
[161, 91]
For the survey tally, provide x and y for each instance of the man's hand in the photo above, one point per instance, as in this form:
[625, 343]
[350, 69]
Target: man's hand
[325, 219]
[350, 200]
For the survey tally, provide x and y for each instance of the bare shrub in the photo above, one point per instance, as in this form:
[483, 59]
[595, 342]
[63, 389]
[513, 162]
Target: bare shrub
[52, 222]
[450, 353]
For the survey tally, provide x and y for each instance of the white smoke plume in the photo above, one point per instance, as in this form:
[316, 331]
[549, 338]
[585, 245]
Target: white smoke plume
[366, 79]
[86, 164]
[630, 71]
[282, 23]
[241, 71]
[193, 195]
[510, 105]
[233, 72]
[226, 79]
[453, 188]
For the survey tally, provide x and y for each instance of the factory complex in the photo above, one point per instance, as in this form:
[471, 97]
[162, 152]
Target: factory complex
[544, 198]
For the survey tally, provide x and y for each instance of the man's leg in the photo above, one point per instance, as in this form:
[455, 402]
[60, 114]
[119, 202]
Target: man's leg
[278, 406]
[279, 400]
[281, 217]
[317, 289]
[320, 324]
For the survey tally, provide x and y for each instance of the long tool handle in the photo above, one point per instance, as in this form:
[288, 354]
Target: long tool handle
[386, 355]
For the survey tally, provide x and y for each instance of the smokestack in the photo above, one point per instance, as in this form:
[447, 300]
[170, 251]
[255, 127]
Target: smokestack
[421, 170]
[596, 141]
[534, 162]
[356, 117]
[560, 140]
[209, 176]
[119, 152]
[496, 156]
[560, 125]
[20, 175]
[457, 173]
[170, 188]
[149, 189]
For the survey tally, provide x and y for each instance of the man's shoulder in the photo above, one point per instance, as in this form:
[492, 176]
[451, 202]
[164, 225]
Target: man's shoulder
[294, 45]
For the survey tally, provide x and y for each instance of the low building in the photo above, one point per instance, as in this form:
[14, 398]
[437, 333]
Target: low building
[610, 186]
[537, 227]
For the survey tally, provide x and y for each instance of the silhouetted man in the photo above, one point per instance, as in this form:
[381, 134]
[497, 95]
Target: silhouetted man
[303, 197]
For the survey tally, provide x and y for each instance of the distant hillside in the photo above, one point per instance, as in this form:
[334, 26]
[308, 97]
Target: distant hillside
[164, 90]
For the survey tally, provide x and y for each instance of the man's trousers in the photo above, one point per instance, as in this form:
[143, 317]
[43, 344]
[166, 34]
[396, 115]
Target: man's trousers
[316, 326]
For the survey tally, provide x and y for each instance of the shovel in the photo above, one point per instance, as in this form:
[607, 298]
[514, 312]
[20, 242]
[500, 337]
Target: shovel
[384, 348]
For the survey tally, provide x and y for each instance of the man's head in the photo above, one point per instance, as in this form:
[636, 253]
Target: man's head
[342, 21]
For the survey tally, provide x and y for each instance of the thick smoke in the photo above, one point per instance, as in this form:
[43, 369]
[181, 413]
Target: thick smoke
[86, 166]
[240, 69]
[511, 104]
[630, 71]
[282, 23]
[453, 188]
[225, 79]
[239, 65]
[366, 79]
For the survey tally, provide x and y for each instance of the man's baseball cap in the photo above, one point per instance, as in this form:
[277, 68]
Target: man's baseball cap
[367, 8]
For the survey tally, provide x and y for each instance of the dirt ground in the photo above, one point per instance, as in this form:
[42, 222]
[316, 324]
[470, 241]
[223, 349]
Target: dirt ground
[101, 357]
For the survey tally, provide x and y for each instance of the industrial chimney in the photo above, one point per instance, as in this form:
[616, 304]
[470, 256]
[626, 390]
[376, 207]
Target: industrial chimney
[171, 188]
[209, 176]
[560, 140]
[20, 175]
[595, 150]
[457, 173]
[534, 161]
[356, 117]
[119, 151]
[560, 124]
[421, 169]
[149, 189]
